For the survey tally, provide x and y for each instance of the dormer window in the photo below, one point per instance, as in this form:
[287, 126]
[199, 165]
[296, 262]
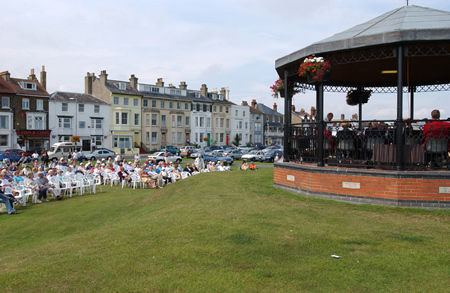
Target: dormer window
[28, 85]
[122, 86]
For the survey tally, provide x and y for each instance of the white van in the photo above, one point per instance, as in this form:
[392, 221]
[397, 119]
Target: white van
[62, 149]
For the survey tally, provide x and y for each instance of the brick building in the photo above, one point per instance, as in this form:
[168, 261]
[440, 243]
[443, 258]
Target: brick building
[27, 102]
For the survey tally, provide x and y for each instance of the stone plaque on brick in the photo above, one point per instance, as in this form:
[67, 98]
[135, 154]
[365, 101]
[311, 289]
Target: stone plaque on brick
[290, 178]
[444, 189]
[351, 185]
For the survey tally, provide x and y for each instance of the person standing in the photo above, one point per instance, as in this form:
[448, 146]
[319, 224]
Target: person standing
[199, 163]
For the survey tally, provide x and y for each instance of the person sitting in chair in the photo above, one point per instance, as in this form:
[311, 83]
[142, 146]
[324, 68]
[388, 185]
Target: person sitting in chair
[436, 128]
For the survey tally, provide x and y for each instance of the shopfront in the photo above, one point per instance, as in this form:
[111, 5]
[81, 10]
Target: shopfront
[34, 140]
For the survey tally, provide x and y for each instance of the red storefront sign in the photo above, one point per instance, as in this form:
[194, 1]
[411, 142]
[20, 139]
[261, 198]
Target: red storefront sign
[34, 133]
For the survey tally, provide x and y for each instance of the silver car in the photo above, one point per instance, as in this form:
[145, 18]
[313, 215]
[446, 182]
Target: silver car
[101, 154]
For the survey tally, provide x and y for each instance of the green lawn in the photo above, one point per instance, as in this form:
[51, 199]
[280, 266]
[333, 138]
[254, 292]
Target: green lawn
[221, 232]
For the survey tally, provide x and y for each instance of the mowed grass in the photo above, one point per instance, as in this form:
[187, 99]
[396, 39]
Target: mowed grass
[221, 232]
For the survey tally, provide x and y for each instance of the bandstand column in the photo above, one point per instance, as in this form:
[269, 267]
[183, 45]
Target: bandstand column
[319, 120]
[399, 123]
[360, 116]
[411, 102]
[287, 118]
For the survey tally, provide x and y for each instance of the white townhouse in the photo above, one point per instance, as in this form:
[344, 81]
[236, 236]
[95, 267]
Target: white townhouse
[256, 124]
[78, 114]
[240, 123]
[201, 119]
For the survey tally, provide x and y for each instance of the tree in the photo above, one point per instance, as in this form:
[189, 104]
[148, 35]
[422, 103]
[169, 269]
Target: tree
[236, 140]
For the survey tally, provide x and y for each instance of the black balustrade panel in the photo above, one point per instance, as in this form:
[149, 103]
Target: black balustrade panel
[425, 144]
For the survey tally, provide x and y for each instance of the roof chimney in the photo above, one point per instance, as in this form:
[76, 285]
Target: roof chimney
[253, 103]
[32, 76]
[133, 81]
[183, 85]
[244, 103]
[204, 90]
[43, 78]
[275, 106]
[171, 86]
[103, 77]
[88, 83]
[225, 92]
[159, 82]
[5, 75]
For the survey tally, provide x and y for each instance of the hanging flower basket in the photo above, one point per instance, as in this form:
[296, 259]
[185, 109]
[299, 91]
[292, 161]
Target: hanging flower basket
[278, 89]
[315, 69]
[75, 139]
[358, 96]
[313, 78]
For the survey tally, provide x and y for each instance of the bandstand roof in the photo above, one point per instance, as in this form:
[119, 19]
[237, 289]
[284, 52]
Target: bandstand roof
[359, 54]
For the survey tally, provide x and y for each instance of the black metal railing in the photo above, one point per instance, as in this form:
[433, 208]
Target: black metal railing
[423, 144]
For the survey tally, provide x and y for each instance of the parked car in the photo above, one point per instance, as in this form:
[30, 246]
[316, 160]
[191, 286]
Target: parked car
[211, 148]
[235, 154]
[245, 150]
[101, 154]
[19, 151]
[171, 149]
[159, 156]
[12, 157]
[254, 155]
[270, 155]
[211, 158]
[195, 153]
[186, 151]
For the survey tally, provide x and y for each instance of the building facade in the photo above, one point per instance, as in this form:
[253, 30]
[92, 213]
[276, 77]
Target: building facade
[125, 109]
[7, 137]
[166, 115]
[28, 105]
[273, 125]
[221, 115]
[201, 119]
[240, 124]
[83, 115]
[256, 124]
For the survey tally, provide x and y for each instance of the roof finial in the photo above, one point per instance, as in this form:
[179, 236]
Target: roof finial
[407, 2]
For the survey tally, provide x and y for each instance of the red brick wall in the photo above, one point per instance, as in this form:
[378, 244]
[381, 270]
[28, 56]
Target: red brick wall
[383, 187]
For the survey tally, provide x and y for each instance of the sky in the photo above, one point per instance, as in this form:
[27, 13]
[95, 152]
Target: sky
[232, 43]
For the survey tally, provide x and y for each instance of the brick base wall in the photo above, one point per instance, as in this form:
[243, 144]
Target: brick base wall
[399, 188]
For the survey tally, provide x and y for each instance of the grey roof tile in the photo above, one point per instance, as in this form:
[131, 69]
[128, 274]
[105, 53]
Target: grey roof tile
[76, 98]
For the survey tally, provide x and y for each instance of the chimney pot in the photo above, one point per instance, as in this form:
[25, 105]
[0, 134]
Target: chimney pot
[43, 78]
[204, 90]
[88, 83]
[103, 77]
[183, 85]
[159, 82]
[253, 103]
[274, 106]
[32, 76]
[6, 76]
[133, 81]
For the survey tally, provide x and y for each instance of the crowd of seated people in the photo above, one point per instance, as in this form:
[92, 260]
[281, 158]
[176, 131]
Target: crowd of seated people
[56, 179]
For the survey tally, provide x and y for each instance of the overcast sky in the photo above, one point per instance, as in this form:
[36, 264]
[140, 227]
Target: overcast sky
[230, 43]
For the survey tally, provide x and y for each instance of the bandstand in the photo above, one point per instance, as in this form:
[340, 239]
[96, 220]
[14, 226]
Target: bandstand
[404, 51]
